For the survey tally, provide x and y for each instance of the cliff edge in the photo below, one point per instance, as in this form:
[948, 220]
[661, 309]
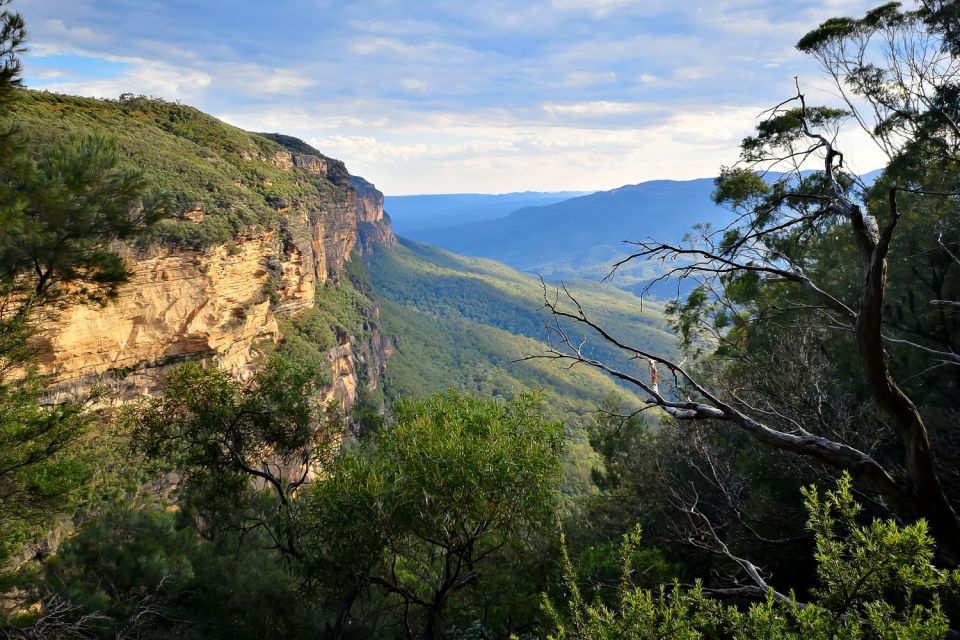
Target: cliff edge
[261, 223]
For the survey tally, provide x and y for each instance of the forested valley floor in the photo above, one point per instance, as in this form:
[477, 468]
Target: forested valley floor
[234, 405]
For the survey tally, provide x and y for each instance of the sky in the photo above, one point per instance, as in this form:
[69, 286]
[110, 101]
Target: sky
[484, 96]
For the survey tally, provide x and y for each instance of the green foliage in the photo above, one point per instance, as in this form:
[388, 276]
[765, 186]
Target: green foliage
[875, 570]
[12, 37]
[195, 158]
[786, 127]
[465, 322]
[232, 442]
[876, 582]
[651, 471]
[673, 614]
[433, 501]
[136, 571]
[121, 558]
[830, 31]
[835, 30]
[737, 186]
[940, 16]
[42, 470]
[63, 213]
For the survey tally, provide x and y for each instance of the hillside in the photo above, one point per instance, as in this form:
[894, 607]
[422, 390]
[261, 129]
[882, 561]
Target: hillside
[464, 322]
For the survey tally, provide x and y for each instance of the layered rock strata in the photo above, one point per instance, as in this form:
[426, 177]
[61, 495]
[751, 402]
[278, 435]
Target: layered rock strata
[221, 304]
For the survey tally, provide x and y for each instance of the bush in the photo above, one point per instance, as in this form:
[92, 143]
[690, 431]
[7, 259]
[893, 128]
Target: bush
[876, 581]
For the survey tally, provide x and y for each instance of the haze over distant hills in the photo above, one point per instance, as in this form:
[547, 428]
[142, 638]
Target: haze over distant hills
[564, 238]
[534, 235]
[411, 213]
[581, 237]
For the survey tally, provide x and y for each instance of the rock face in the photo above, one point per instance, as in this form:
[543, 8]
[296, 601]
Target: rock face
[352, 357]
[374, 223]
[221, 304]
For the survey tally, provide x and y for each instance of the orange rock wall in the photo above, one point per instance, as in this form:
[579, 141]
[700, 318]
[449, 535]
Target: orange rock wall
[215, 304]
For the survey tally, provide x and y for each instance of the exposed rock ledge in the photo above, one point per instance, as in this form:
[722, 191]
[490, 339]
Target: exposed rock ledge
[219, 304]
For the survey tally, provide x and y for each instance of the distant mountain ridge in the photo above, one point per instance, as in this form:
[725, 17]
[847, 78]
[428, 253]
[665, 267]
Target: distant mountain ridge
[583, 236]
[537, 235]
[445, 210]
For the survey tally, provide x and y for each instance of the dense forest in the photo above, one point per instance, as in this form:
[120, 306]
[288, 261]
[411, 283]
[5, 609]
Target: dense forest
[773, 455]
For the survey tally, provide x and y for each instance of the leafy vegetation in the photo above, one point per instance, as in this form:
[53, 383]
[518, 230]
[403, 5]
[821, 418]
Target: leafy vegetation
[244, 509]
[203, 164]
[453, 489]
[876, 581]
[465, 323]
[242, 450]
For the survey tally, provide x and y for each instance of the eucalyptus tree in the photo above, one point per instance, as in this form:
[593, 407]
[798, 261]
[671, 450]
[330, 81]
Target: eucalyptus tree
[867, 273]
[61, 211]
[450, 491]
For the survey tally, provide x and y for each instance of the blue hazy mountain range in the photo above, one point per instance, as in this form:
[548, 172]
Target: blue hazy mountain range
[411, 213]
[532, 236]
[581, 237]
[576, 237]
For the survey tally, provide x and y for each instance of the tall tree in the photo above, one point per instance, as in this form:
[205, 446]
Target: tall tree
[429, 506]
[243, 450]
[819, 255]
[60, 214]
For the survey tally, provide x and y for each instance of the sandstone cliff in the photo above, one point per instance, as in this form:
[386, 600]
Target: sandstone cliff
[221, 303]
[374, 223]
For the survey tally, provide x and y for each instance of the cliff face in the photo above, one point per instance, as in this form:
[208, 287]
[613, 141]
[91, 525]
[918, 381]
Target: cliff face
[221, 303]
[374, 223]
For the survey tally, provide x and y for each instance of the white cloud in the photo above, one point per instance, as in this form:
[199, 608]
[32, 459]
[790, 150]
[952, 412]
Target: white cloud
[588, 78]
[700, 72]
[599, 8]
[57, 31]
[600, 108]
[147, 78]
[413, 85]
[256, 80]
[370, 46]
[49, 74]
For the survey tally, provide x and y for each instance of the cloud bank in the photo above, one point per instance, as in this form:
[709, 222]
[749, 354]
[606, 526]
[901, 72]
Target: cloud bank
[440, 96]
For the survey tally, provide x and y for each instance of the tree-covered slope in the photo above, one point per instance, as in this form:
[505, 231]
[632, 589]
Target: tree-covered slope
[465, 322]
[201, 162]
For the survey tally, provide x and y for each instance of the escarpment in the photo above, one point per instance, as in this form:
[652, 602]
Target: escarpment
[221, 302]
[374, 223]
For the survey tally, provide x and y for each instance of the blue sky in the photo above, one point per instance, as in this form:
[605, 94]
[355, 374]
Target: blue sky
[442, 97]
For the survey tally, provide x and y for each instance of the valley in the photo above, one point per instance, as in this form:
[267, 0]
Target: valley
[582, 237]
[310, 326]
[467, 322]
